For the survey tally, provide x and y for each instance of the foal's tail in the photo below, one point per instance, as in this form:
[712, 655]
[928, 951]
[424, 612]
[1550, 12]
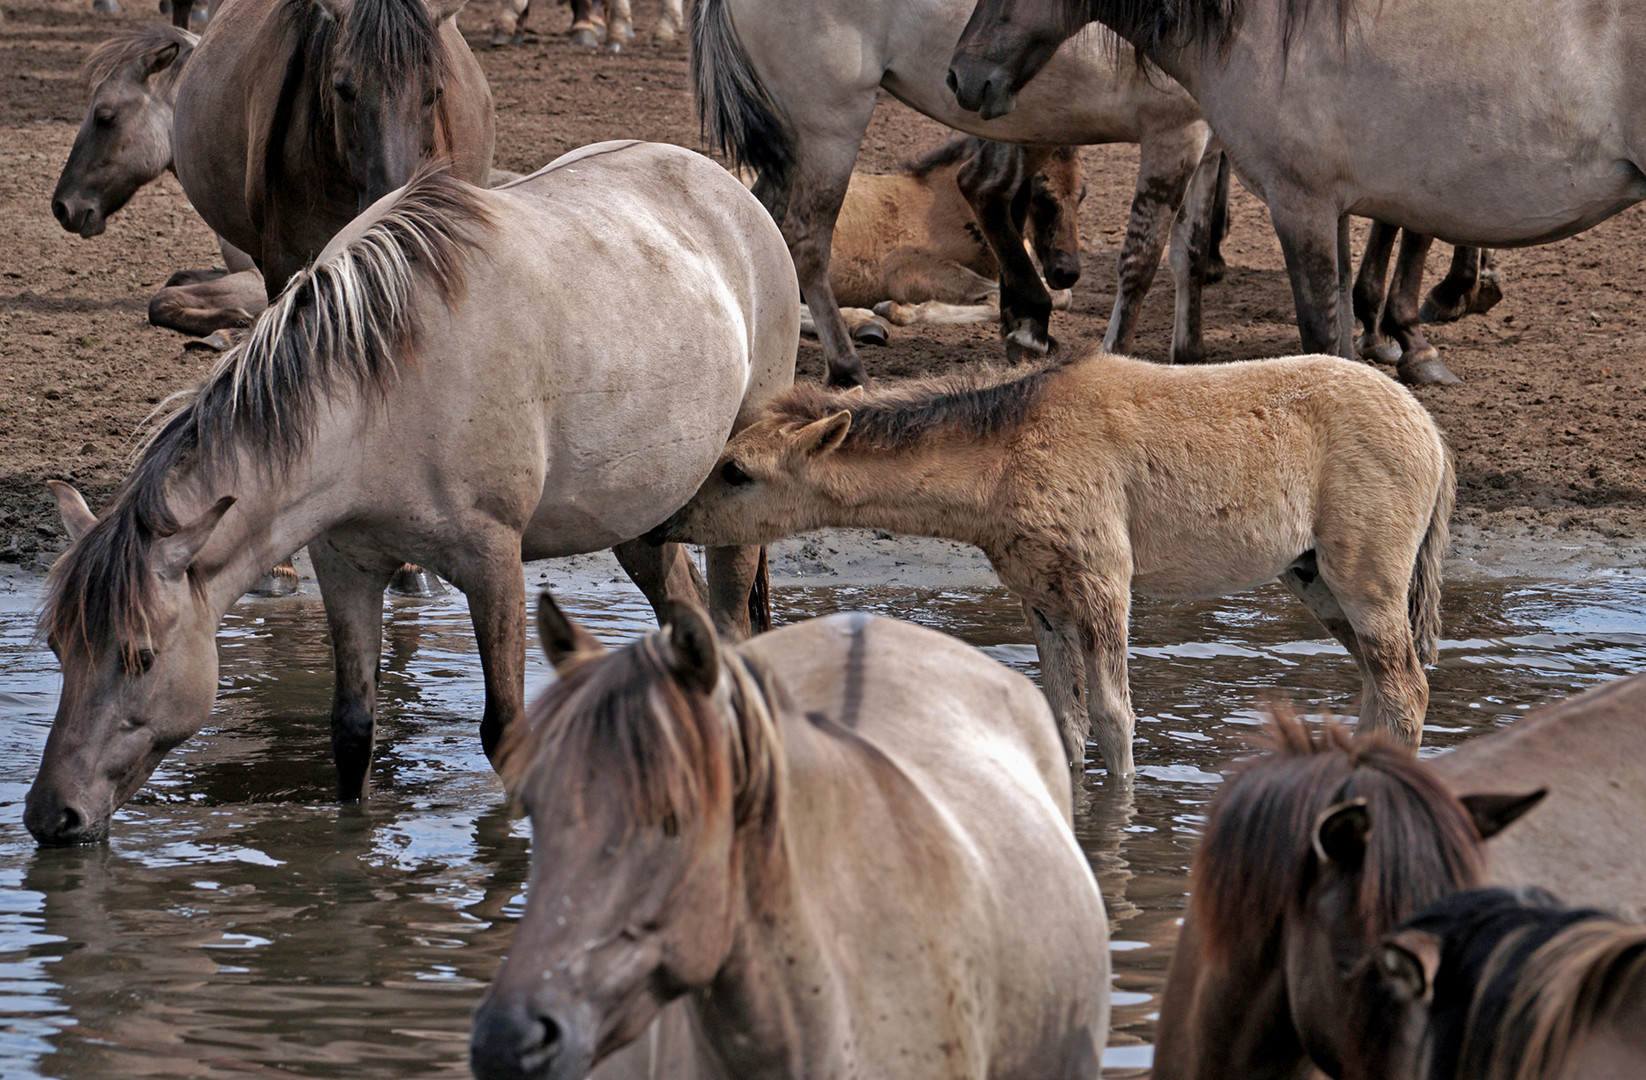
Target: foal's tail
[1423, 597]
[738, 116]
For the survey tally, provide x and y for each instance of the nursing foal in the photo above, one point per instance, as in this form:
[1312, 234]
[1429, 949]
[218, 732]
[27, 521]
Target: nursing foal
[1095, 475]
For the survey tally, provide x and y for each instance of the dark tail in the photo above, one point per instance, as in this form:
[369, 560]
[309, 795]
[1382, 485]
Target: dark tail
[1423, 597]
[760, 598]
[738, 117]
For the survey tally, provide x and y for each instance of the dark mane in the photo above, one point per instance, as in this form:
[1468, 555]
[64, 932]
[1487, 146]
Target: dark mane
[952, 151]
[341, 327]
[979, 402]
[1521, 980]
[622, 724]
[1257, 860]
[132, 44]
[1154, 27]
[400, 39]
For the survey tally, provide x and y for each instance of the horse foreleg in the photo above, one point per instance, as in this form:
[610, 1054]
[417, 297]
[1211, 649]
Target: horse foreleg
[663, 572]
[491, 579]
[1101, 622]
[1192, 235]
[353, 597]
[1166, 162]
[510, 28]
[1419, 361]
[1309, 232]
[1216, 268]
[813, 204]
[586, 24]
[670, 18]
[991, 182]
[739, 591]
[1062, 679]
[620, 27]
[197, 305]
[1368, 293]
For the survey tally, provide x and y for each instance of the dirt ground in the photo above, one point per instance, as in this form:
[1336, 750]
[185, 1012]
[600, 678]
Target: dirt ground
[1545, 424]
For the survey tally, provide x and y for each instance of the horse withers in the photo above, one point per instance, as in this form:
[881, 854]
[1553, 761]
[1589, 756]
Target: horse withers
[1093, 476]
[452, 327]
[845, 845]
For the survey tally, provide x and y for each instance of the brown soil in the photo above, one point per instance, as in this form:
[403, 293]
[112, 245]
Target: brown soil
[1544, 425]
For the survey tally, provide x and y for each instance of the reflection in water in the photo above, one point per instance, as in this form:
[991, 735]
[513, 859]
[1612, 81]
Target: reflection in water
[241, 924]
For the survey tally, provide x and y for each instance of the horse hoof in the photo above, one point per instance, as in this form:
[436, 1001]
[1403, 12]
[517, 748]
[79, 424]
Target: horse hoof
[412, 580]
[500, 39]
[662, 39]
[1027, 341]
[612, 47]
[844, 378]
[1435, 310]
[281, 581]
[1216, 270]
[585, 39]
[875, 332]
[1062, 299]
[1487, 294]
[106, 7]
[1377, 349]
[1423, 368]
[895, 313]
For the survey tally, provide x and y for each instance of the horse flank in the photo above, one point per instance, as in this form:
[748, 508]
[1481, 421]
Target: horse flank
[341, 326]
[1257, 857]
[979, 402]
[132, 44]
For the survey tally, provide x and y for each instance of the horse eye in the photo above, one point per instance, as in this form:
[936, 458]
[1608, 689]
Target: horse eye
[432, 94]
[671, 824]
[733, 474]
[145, 661]
[104, 114]
[343, 90]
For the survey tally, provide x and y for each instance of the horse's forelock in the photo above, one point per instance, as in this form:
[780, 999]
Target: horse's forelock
[400, 38]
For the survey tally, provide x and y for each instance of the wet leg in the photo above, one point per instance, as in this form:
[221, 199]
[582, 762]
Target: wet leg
[352, 588]
[1369, 295]
[1062, 675]
[1419, 361]
[491, 579]
[991, 182]
[1166, 163]
[1102, 627]
[1369, 583]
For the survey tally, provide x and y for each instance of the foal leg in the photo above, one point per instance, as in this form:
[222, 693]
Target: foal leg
[1166, 161]
[990, 182]
[1369, 583]
[1368, 294]
[1192, 235]
[1419, 361]
[1101, 623]
[1062, 678]
[353, 594]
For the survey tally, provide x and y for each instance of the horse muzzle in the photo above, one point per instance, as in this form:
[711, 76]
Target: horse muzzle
[55, 821]
[981, 87]
[1062, 269]
[668, 532]
[79, 215]
[511, 1040]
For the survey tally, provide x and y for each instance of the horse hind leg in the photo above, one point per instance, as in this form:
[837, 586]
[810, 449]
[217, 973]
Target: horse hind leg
[1193, 231]
[1472, 286]
[1167, 162]
[1216, 267]
[1368, 294]
[1419, 362]
[1063, 679]
[739, 591]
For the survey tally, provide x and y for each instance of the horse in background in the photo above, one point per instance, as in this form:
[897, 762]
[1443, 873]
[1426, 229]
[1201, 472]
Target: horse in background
[1090, 477]
[844, 845]
[590, 25]
[438, 387]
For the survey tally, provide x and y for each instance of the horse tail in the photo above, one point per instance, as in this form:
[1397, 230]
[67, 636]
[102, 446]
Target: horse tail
[760, 597]
[1424, 595]
[737, 114]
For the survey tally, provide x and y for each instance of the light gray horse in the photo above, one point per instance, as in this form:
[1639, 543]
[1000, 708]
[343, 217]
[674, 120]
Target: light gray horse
[438, 387]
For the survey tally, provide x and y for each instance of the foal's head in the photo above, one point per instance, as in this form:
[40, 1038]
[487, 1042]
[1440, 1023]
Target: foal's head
[1055, 195]
[385, 74]
[652, 786]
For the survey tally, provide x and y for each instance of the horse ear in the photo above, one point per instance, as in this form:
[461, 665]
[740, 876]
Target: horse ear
[162, 58]
[174, 553]
[694, 649]
[77, 516]
[561, 638]
[444, 9]
[1496, 811]
[822, 436]
[1409, 961]
[337, 9]
[1341, 832]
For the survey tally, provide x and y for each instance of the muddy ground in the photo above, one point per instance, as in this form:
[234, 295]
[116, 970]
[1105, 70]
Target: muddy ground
[1545, 424]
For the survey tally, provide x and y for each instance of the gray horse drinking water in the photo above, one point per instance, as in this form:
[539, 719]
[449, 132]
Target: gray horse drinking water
[439, 386]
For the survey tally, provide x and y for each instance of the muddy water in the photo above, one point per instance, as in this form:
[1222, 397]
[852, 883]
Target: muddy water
[240, 924]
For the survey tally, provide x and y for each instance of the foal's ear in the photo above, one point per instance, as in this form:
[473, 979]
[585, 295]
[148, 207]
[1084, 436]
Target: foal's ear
[174, 553]
[162, 58]
[562, 639]
[1341, 832]
[444, 9]
[822, 436]
[694, 650]
[77, 516]
[1408, 963]
[1496, 811]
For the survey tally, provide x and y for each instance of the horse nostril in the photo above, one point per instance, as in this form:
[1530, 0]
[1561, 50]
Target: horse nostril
[549, 1043]
[60, 211]
[953, 83]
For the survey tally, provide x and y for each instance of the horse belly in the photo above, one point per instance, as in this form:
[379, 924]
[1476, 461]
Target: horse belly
[1225, 549]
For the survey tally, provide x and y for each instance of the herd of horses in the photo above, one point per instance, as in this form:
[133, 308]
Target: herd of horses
[844, 847]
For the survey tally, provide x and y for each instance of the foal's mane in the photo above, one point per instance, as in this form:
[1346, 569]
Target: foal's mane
[131, 44]
[342, 326]
[952, 151]
[978, 402]
[1257, 861]
[1154, 26]
[1522, 980]
[622, 724]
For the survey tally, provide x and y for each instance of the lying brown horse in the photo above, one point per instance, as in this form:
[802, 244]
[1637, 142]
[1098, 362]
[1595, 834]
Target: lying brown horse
[1495, 984]
[293, 116]
[1313, 852]
[1094, 476]
[844, 844]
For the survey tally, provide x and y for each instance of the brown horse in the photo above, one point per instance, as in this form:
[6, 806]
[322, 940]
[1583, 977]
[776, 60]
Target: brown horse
[1317, 849]
[1094, 476]
[293, 116]
[844, 844]
[1495, 984]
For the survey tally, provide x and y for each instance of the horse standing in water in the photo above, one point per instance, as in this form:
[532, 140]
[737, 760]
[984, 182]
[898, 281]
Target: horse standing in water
[440, 386]
[1317, 103]
[844, 844]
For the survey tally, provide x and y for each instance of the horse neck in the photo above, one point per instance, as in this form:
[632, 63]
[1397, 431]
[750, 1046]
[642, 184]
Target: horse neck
[943, 487]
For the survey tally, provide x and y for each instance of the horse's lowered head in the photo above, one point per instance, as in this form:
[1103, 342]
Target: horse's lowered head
[125, 140]
[1055, 195]
[652, 776]
[138, 648]
[384, 79]
[1004, 45]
